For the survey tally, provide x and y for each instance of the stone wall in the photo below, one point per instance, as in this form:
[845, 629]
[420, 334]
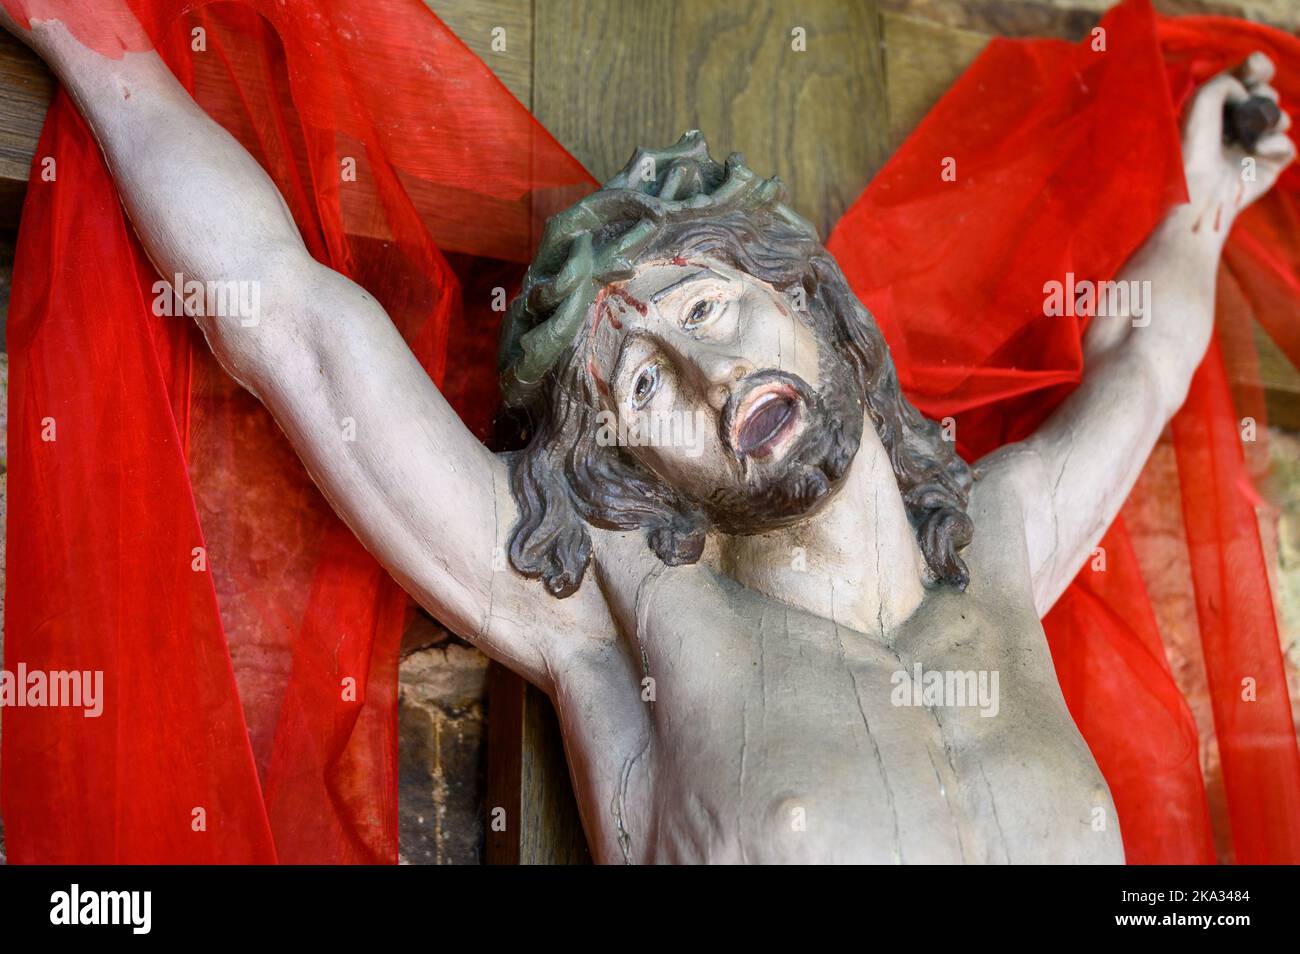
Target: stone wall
[443, 754]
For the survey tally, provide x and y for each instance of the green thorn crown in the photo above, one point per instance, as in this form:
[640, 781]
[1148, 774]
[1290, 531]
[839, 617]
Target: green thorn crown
[596, 241]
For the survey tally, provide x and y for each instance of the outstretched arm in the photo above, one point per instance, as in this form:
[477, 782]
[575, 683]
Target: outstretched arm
[423, 495]
[1073, 475]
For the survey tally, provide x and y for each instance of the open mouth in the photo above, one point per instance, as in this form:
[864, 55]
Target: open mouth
[765, 420]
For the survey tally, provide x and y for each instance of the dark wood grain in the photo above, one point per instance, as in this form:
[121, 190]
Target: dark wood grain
[922, 59]
[474, 22]
[528, 777]
[550, 826]
[505, 721]
[611, 75]
[26, 88]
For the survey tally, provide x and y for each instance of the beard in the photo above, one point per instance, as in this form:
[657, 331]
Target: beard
[765, 496]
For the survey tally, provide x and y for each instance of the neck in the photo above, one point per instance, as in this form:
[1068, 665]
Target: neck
[856, 561]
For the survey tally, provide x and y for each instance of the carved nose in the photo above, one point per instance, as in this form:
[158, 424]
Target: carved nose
[721, 372]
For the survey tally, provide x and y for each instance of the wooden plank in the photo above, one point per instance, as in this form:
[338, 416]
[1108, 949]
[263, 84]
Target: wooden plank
[550, 826]
[1054, 18]
[528, 779]
[611, 76]
[26, 88]
[477, 23]
[922, 60]
[505, 722]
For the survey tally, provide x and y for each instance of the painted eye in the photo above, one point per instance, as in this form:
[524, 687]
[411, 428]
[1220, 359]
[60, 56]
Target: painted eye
[645, 386]
[700, 313]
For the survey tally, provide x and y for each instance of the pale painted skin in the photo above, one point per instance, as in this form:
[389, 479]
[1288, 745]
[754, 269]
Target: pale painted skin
[772, 736]
[706, 327]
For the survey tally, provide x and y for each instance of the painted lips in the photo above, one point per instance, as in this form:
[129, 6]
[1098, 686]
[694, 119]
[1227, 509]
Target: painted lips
[764, 419]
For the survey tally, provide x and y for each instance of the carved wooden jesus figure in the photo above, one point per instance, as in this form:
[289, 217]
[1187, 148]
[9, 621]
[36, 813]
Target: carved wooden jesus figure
[720, 617]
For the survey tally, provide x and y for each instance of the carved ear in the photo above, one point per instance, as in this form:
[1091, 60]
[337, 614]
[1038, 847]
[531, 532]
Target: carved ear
[549, 541]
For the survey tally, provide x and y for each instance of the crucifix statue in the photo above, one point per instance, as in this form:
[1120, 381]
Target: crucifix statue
[779, 618]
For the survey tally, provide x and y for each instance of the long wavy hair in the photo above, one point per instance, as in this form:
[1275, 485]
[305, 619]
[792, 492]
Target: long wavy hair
[564, 479]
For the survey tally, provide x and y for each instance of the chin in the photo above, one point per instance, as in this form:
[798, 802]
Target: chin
[770, 494]
[790, 446]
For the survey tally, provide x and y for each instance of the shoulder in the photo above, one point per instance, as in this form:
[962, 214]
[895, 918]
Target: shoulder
[1009, 500]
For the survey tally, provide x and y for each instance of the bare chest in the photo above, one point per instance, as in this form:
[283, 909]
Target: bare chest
[777, 735]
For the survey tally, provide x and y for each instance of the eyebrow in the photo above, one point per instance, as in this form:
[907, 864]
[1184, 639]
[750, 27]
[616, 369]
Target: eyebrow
[628, 338]
[654, 299]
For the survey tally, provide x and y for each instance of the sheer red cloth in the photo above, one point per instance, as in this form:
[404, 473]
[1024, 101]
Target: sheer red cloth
[409, 168]
[1066, 158]
[162, 531]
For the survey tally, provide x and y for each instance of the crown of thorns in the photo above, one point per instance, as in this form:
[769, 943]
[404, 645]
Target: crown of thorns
[595, 242]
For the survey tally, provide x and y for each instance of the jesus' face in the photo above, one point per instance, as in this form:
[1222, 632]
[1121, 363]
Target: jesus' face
[727, 388]
[738, 350]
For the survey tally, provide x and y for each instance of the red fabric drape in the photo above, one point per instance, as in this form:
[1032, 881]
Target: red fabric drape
[1066, 156]
[392, 144]
[255, 678]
